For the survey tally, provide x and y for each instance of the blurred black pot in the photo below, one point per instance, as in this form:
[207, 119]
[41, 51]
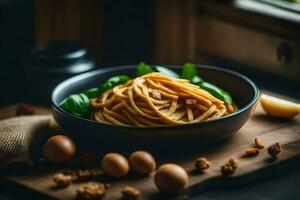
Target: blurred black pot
[46, 66]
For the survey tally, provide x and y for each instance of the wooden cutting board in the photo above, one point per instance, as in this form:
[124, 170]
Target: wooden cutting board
[267, 129]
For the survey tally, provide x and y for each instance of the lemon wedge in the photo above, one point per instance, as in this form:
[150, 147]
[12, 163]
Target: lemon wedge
[277, 107]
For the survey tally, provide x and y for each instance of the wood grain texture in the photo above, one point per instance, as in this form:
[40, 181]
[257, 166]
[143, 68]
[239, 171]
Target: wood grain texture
[174, 31]
[221, 38]
[268, 130]
[209, 31]
[241, 16]
[70, 20]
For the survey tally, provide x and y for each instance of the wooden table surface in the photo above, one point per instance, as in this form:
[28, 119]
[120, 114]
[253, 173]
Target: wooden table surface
[270, 130]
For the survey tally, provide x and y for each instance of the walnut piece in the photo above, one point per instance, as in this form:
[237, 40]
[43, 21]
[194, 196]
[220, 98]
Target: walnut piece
[274, 150]
[251, 151]
[62, 180]
[130, 193]
[202, 164]
[258, 144]
[156, 94]
[230, 167]
[91, 191]
[85, 174]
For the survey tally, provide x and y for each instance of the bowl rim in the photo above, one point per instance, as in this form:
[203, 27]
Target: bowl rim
[85, 75]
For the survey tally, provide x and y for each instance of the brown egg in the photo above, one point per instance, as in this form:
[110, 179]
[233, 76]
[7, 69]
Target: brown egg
[142, 162]
[59, 149]
[171, 178]
[114, 164]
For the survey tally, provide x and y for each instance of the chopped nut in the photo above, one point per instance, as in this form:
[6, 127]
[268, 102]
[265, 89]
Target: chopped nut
[258, 144]
[140, 81]
[86, 174]
[156, 94]
[202, 164]
[274, 150]
[62, 180]
[130, 193]
[230, 167]
[24, 109]
[91, 191]
[251, 151]
[87, 158]
[191, 101]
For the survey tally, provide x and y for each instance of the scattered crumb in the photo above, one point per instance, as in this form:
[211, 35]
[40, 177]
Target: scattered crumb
[251, 151]
[130, 193]
[202, 164]
[230, 167]
[62, 180]
[274, 150]
[85, 174]
[258, 144]
[91, 191]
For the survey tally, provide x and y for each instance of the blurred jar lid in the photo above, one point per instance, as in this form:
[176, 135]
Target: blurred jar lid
[59, 57]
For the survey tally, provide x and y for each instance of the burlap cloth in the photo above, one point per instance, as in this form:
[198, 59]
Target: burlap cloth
[21, 138]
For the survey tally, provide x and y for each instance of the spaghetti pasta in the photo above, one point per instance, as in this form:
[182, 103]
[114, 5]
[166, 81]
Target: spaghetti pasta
[154, 99]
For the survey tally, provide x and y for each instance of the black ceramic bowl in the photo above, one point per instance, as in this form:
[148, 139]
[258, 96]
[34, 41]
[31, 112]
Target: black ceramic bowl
[243, 91]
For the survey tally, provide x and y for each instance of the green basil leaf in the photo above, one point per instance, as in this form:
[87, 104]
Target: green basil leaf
[112, 82]
[189, 72]
[117, 80]
[143, 69]
[197, 80]
[64, 104]
[167, 72]
[92, 93]
[77, 104]
[227, 97]
[105, 86]
[216, 92]
[86, 101]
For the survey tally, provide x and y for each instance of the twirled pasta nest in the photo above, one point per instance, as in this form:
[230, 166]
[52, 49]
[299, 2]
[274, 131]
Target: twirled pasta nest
[154, 99]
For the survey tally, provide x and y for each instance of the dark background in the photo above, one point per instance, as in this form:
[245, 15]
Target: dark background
[127, 33]
[16, 37]
[118, 32]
